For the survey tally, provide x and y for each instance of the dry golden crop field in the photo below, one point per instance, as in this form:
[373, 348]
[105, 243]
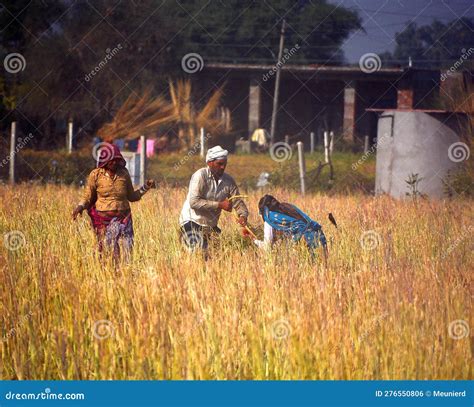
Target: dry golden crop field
[394, 301]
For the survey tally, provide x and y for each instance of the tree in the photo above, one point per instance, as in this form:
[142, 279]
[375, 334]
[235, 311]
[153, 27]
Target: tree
[247, 30]
[435, 45]
[84, 58]
[23, 23]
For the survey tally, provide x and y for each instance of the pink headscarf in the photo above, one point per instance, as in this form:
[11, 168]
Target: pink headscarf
[109, 152]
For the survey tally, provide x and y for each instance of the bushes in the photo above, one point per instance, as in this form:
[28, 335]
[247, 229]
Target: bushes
[175, 169]
[460, 182]
[50, 166]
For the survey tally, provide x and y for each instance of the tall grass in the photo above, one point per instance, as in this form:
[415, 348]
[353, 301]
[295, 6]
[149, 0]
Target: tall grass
[383, 309]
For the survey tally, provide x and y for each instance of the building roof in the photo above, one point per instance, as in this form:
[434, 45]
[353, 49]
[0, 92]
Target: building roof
[412, 110]
[297, 68]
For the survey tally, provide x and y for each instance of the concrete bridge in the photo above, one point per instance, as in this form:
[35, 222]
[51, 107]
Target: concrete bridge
[317, 98]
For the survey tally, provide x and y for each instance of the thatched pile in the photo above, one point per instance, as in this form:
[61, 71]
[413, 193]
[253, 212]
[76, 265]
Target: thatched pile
[145, 115]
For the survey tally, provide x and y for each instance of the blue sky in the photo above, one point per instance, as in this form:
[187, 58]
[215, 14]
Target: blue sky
[382, 19]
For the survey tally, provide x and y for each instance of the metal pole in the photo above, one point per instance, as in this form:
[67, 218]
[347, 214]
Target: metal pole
[12, 153]
[326, 146]
[302, 166]
[69, 136]
[366, 144]
[203, 143]
[331, 142]
[277, 84]
[142, 160]
[311, 144]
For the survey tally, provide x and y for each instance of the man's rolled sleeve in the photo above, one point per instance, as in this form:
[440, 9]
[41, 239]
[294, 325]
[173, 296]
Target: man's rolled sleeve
[239, 204]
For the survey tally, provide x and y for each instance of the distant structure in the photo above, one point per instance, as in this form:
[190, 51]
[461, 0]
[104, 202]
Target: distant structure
[317, 98]
[354, 103]
[425, 143]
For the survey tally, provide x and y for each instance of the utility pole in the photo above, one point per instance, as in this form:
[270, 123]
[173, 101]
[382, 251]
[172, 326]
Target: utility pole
[277, 83]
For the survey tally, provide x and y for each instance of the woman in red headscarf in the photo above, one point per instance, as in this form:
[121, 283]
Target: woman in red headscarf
[106, 197]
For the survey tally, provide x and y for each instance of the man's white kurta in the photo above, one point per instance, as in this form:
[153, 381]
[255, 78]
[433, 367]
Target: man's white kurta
[205, 193]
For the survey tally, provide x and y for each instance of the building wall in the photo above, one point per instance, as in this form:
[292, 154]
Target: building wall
[372, 95]
[304, 108]
[316, 101]
[414, 143]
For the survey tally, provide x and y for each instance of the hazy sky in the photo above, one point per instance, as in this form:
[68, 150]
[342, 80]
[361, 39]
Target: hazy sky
[383, 18]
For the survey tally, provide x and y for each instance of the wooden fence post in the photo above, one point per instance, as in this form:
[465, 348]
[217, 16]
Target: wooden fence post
[302, 166]
[142, 160]
[331, 142]
[326, 146]
[70, 128]
[366, 144]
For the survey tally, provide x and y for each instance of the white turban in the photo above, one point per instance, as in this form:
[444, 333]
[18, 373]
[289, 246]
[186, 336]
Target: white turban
[216, 153]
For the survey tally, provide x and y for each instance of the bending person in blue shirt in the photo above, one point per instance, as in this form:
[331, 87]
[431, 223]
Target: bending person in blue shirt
[291, 222]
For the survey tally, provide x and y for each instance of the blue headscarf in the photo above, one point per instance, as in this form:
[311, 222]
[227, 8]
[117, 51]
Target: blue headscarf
[296, 228]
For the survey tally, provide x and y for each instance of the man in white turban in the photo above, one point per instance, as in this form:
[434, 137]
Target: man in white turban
[209, 191]
[216, 153]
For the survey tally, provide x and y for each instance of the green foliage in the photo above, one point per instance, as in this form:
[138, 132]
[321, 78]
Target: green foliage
[67, 48]
[220, 33]
[412, 182]
[459, 182]
[52, 167]
[318, 177]
[438, 44]
[26, 22]
[176, 170]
